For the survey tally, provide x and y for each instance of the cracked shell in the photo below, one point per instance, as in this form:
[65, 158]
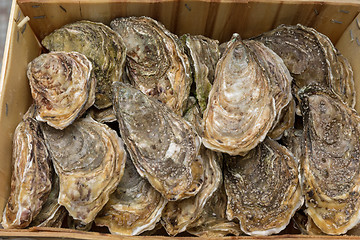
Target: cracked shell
[263, 188]
[31, 175]
[241, 108]
[162, 145]
[101, 45]
[312, 59]
[155, 63]
[89, 159]
[134, 207]
[330, 169]
[203, 54]
[62, 86]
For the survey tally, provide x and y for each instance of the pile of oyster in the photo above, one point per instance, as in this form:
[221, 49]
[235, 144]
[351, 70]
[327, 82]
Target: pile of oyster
[135, 129]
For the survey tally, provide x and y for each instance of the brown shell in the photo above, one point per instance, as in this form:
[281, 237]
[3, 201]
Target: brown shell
[162, 145]
[263, 188]
[134, 207]
[241, 108]
[330, 168]
[89, 159]
[101, 45]
[62, 87]
[31, 175]
[155, 63]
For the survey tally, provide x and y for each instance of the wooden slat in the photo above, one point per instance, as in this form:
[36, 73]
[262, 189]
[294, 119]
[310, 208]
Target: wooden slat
[20, 48]
[349, 46]
[54, 233]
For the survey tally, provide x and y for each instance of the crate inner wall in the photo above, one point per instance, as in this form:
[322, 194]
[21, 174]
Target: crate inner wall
[216, 19]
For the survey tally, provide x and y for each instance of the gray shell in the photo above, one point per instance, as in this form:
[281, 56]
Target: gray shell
[134, 207]
[263, 188]
[89, 159]
[155, 63]
[330, 167]
[163, 146]
[311, 59]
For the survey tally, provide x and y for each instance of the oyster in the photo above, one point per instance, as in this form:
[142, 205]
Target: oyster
[203, 54]
[155, 63]
[213, 222]
[286, 121]
[99, 44]
[62, 86]
[134, 207]
[52, 213]
[311, 58]
[177, 215]
[193, 115]
[103, 115]
[89, 159]
[31, 175]
[78, 225]
[330, 168]
[163, 146]
[263, 188]
[293, 140]
[241, 107]
[280, 81]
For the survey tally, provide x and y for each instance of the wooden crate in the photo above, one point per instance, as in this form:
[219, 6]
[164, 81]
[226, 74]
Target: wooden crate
[213, 18]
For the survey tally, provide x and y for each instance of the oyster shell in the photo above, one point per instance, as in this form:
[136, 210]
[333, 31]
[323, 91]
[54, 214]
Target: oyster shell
[279, 78]
[293, 140]
[134, 207]
[177, 215]
[241, 108]
[286, 121]
[62, 86]
[263, 188]
[89, 159]
[163, 146]
[103, 115]
[99, 44]
[213, 222]
[203, 54]
[31, 175]
[155, 63]
[52, 213]
[78, 225]
[330, 168]
[311, 58]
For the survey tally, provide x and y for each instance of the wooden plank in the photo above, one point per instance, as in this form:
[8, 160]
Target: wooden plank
[349, 46]
[20, 48]
[53, 233]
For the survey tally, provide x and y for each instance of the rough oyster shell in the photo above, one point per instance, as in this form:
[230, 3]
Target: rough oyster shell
[99, 44]
[177, 215]
[103, 115]
[213, 222]
[134, 207]
[311, 58]
[52, 213]
[286, 121]
[89, 159]
[203, 54]
[263, 188]
[163, 146]
[62, 86]
[241, 107]
[278, 75]
[31, 175]
[155, 63]
[330, 168]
